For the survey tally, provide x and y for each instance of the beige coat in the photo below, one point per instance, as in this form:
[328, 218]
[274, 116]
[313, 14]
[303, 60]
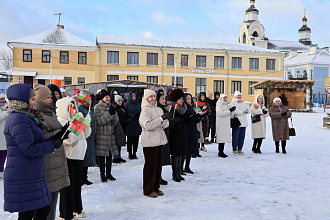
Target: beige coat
[105, 130]
[240, 112]
[75, 146]
[153, 125]
[280, 125]
[258, 129]
[223, 115]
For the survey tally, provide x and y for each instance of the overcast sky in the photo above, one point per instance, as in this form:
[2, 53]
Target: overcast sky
[211, 20]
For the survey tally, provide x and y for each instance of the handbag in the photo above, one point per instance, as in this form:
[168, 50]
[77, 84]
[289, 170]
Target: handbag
[234, 122]
[255, 119]
[292, 131]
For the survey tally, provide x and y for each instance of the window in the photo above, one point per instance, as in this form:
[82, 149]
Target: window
[132, 58]
[42, 81]
[113, 57]
[236, 86]
[82, 58]
[236, 63]
[45, 56]
[136, 78]
[179, 81]
[67, 80]
[200, 85]
[219, 62]
[152, 59]
[270, 64]
[219, 86]
[112, 77]
[254, 63]
[170, 59]
[251, 89]
[184, 60]
[81, 80]
[152, 79]
[27, 55]
[201, 61]
[64, 57]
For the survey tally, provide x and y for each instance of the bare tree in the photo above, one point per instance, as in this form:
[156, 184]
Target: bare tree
[6, 58]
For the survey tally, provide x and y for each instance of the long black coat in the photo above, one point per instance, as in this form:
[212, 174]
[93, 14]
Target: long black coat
[191, 125]
[166, 148]
[133, 110]
[205, 120]
[178, 132]
[122, 115]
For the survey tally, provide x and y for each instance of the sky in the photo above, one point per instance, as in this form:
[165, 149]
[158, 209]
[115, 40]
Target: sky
[208, 20]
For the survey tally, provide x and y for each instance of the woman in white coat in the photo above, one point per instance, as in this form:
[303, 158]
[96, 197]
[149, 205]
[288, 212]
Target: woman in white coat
[258, 109]
[153, 122]
[3, 148]
[223, 134]
[238, 134]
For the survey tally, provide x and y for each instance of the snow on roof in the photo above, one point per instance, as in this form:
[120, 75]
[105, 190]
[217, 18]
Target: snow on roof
[167, 43]
[287, 45]
[321, 57]
[56, 36]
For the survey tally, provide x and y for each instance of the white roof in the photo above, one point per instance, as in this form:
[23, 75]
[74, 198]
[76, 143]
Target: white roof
[320, 58]
[167, 43]
[57, 36]
[287, 45]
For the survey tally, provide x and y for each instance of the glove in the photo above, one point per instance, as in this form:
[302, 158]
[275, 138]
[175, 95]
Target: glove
[284, 114]
[166, 116]
[59, 134]
[232, 108]
[112, 110]
[264, 111]
[57, 143]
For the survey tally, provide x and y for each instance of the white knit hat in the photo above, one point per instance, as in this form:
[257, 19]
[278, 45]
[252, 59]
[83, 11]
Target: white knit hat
[2, 96]
[277, 99]
[118, 97]
[237, 93]
[62, 90]
[223, 95]
[147, 93]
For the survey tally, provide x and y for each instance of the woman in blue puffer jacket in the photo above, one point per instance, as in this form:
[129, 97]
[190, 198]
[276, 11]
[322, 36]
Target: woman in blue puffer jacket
[25, 186]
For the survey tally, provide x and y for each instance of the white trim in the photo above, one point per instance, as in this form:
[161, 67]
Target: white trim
[58, 77]
[52, 46]
[23, 73]
[193, 75]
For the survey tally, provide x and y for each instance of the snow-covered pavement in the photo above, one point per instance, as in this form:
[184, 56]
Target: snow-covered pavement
[266, 186]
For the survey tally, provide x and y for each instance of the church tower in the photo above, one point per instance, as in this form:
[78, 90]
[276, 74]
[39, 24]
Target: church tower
[251, 31]
[305, 32]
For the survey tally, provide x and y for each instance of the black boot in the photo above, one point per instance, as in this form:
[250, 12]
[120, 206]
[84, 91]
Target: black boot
[108, 168]
[221, 147]
[102, 168]
[183, 158]
[162, 182]
[283, 147]
[85, 180]
[187, 166]
[259, 142]
[277, 144]
[175, 169]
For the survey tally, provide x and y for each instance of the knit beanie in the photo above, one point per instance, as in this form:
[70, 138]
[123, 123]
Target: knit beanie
[222, 96]
[237, 93]
[104, 93]
[147, 93]
[42, 92]
[277, 99]
[118, 97]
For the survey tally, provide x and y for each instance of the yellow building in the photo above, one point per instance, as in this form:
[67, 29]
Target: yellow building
[197, 66]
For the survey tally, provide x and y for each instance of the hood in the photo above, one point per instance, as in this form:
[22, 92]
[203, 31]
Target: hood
[185, 96]
[145, 103]
[129, 98]
[214, 95]
[263, 99]
[199, 97]
[62, 110]
[54, 88]
[20, 92]
[112, 96]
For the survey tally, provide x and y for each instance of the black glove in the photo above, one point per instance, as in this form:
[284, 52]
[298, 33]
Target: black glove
[112, 110]
[166, 116]
[284, 114]
[264, 111]
[232, 108]
[57, 143]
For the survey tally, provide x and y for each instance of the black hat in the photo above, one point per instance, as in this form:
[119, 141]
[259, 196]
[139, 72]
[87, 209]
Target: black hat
[104, 93]
[175, 95]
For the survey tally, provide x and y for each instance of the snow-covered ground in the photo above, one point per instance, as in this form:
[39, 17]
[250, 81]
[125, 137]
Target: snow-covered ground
[254, 186]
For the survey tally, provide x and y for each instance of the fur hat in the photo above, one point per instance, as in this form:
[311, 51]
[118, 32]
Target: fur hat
[104, 93]
[147, 93]
[223, 95]
[237, 93]
[42, 92]
[175, 95]
[118, 97]
[276, 99]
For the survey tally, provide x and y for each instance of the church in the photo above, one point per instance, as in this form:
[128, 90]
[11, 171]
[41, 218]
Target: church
[303, 60]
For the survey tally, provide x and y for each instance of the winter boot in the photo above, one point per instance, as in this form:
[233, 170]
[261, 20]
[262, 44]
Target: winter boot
[163, 182]
[175, 169]
[277, 149]
[221, 147]
[108, 169]
[180, 165]
[258, 151]
[130, 156]
[187, 168]
[102, 168]
[203, 148]
[183, 158]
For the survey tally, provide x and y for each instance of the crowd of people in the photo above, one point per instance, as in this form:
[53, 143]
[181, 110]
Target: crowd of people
[44, 160]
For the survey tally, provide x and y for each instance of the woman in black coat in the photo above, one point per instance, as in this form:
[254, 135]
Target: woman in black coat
[205, 121]
[178, 132]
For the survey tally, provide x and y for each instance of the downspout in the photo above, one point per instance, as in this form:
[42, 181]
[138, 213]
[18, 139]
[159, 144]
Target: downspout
[227, 87]
[99, 64]
[161, 49]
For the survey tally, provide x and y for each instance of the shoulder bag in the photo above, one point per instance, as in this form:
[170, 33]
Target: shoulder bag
[292, 131]
[255, 119]
[235, 123]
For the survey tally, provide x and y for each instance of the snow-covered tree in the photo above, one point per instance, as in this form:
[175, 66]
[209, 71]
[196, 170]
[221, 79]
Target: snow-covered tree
[6, 58]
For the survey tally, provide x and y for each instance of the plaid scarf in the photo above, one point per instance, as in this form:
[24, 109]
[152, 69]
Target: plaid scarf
[16, 106]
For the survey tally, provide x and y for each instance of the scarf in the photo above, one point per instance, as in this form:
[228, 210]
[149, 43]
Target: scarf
[16, 106]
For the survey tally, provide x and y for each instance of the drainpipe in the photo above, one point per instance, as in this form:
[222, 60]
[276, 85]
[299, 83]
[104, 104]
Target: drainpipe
[99, 63]
[161, 49]
[227, 87]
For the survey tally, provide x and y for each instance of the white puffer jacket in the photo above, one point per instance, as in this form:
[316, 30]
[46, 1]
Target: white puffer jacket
[240, 111]
[153, 125]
